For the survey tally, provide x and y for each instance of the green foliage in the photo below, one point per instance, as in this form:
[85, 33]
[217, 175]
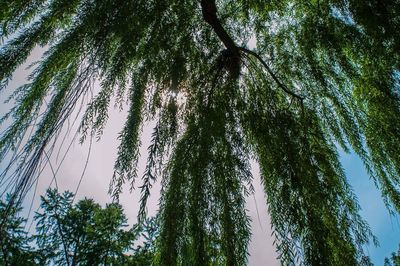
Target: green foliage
[145, 253]
[394, 259]
[319, 75]
[14, 241]
[83, 233]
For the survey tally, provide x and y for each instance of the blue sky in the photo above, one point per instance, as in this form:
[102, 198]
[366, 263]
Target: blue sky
[384, 226]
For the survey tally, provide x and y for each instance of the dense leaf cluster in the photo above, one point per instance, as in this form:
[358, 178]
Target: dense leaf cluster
[319, 75]
[14, 241]
[83, 233]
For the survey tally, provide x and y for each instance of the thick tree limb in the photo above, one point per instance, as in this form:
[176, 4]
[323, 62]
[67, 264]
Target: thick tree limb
[209, 11]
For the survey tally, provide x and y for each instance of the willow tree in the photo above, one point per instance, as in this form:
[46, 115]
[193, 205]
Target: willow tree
[284, 82]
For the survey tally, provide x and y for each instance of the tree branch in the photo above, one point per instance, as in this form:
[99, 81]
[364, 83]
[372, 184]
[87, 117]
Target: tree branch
[274, 77]
[209, 11]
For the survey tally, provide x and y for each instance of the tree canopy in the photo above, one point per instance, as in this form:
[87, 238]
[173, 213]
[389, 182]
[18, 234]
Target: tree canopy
[81, 233]
[283, 82]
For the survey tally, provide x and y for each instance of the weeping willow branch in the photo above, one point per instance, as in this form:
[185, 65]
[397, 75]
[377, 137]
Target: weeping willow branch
[209, 11]
[235, 106]
[271, 73]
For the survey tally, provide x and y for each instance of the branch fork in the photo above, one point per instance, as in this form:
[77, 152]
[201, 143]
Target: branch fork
[209, 11]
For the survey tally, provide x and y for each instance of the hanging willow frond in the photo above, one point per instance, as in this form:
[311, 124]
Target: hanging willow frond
[283, 82]
[209, 169]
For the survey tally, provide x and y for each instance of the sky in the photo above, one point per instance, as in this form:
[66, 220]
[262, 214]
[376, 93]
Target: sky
[99, 169]
[384, 226]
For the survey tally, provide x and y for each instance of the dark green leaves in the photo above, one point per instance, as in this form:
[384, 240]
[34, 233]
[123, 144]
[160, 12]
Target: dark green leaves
[14, 241]
[319, 74]
[83, 233]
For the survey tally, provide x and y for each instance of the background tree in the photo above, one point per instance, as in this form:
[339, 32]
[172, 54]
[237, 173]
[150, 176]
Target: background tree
[76, 234]
[318, 75]
[53, 238]
[146, 252]
[14, 241]
[83, 233]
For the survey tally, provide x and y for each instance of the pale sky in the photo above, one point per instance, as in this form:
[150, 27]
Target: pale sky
[100, 168]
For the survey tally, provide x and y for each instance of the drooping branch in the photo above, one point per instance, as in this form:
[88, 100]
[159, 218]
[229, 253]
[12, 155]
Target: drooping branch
[272, 74]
